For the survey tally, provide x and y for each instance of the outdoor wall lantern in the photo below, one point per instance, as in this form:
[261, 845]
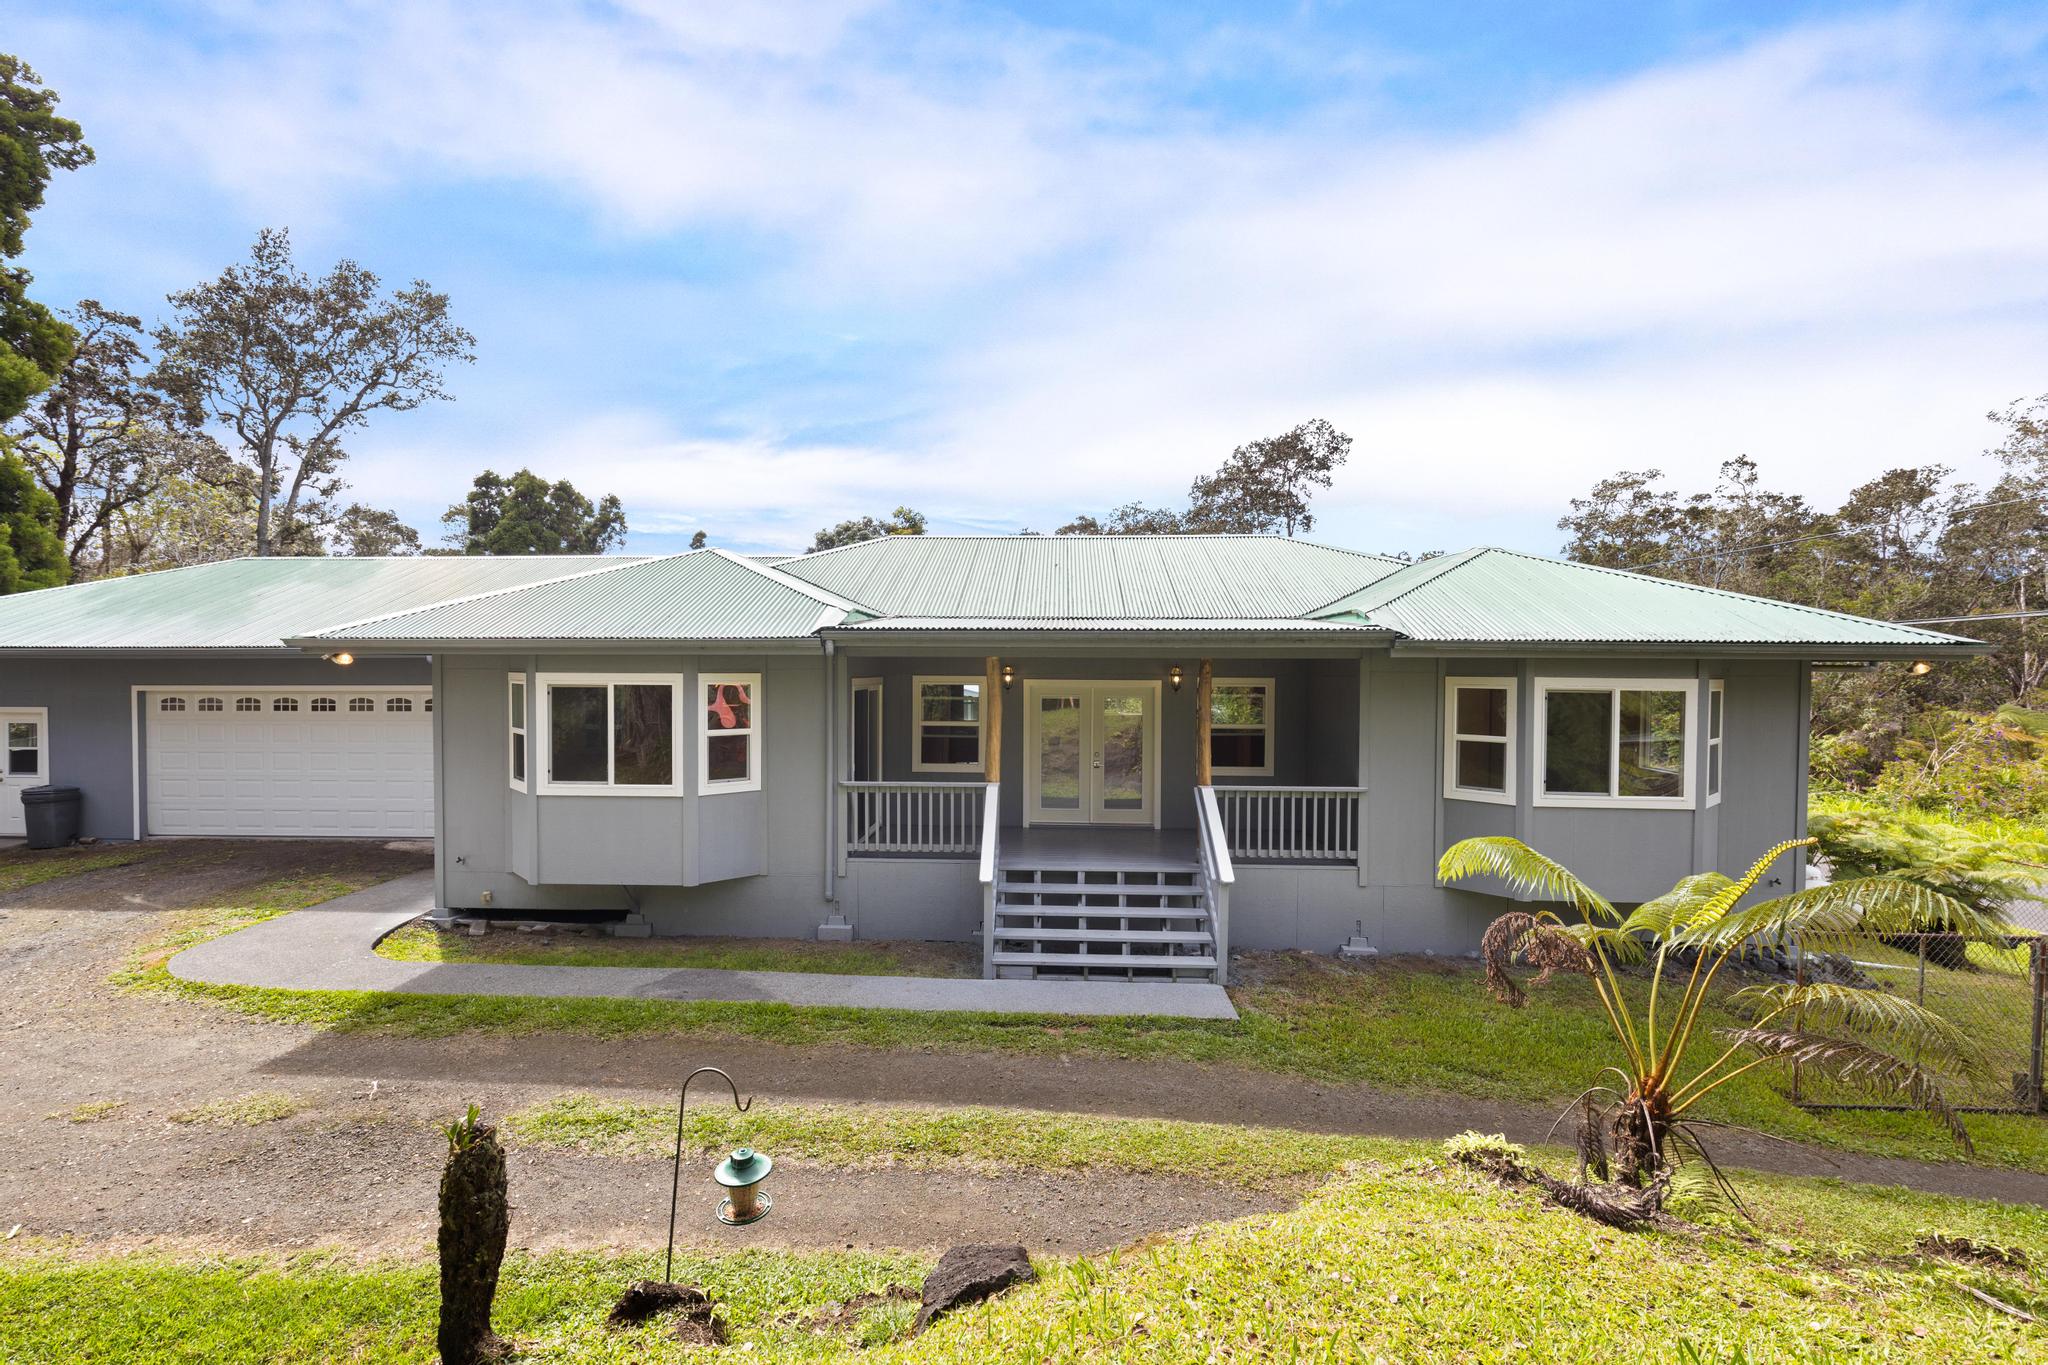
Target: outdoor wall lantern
[344, 658]
[741, 1173]
[1921, 668]
[1173, 677]
[1009, 676]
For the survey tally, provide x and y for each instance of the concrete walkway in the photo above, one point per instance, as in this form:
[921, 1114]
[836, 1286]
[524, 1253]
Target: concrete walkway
[330, 947]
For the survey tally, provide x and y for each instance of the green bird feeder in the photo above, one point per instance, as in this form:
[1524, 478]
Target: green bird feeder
[742, 1174]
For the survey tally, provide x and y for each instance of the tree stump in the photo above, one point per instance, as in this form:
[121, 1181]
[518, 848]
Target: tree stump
[475, 1217]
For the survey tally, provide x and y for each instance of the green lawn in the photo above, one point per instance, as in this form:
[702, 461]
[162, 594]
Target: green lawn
[419, 942]
[1398, 1259]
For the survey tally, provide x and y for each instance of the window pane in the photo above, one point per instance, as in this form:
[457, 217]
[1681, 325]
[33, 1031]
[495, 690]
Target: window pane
[726, 757]
[1577, 726]
[952, 701]
[1482, 765]
[519, 758]
[24, 757]
[1237, 749]
[1653, 744]
[1483, 711]
[643, 734]
[727, 706]
[1714, 713]
[1237, 706]
[518, 693]
[576, 738]
[1714, 770]
[949, 746]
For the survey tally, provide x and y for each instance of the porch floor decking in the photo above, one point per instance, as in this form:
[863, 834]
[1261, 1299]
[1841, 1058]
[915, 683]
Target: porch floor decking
[1099, 848]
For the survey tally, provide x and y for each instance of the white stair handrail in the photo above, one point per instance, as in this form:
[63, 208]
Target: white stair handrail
[991, 831]
[1217, 875]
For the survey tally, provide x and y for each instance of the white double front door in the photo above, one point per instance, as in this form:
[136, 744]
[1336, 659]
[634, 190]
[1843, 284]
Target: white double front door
[1091, 752]
[24, 763]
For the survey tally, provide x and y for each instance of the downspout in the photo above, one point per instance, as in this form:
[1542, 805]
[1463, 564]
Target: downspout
[831, 766]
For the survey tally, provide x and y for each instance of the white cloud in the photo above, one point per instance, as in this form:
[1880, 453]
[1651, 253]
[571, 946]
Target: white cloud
[1804, 249]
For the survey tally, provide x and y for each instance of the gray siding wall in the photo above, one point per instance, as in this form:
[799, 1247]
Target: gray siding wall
[91, 723]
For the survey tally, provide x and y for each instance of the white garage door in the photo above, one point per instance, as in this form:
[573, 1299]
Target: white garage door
[298, 761]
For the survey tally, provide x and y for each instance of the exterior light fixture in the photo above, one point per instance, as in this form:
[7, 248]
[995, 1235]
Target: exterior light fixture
[1921, 668]
[741, 1174]
[1009, 676]
[1173, 677]
[344, 658]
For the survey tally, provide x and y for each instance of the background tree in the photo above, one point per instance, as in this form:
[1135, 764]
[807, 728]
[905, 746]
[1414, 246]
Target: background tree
[1264, 486]
[31, 553]
[1267, 484]
[34, 144]
[902, 522]
[699, 540]
[288, 364]
[101, 440]
[527, 515]
[187, 520]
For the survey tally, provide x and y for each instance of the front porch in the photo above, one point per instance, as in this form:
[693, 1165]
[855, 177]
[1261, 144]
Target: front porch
[1107, 821]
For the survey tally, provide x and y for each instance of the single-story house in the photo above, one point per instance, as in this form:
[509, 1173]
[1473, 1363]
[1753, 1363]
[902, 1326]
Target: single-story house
[1107, 756]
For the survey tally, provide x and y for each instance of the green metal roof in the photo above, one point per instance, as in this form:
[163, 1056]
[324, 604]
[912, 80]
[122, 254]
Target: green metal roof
[256, 603]
[697, 595]
[1494, 596]
[1039, 585]
[1087, 579]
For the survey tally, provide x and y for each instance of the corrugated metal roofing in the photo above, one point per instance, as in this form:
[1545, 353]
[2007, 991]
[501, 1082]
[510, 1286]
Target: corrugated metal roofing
[1091, 578]
[257, 603]
[697, 595]
[1490, 596]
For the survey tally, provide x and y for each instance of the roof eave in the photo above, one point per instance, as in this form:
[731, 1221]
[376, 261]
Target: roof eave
[314, 644]
[1702, 649]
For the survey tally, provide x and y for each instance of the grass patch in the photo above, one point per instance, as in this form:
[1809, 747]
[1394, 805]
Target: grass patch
[92, 1111]
[22, 868]
[1399, 1259]
[243, 1111]
[419, 942]
[921, 1136]
[253, 905]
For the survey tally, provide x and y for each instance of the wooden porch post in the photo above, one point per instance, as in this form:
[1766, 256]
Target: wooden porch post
[1205, 678]
[992, 701]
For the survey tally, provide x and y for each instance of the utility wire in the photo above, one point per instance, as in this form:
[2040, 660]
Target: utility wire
[1981, 616]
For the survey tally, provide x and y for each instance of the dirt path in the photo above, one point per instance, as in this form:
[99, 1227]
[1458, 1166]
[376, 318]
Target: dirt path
[358, 1162]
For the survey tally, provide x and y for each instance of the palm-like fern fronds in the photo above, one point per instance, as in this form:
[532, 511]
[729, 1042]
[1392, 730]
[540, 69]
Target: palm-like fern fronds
[1833, 917]
[1522, 867]
[1893, 1019]
[1534, 939]
[1676, 907]
[1876, 1072]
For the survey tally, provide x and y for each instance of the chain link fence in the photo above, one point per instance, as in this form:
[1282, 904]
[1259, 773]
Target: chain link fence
[1993, 989]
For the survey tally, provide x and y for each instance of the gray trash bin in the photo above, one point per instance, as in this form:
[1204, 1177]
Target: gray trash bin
[52, 815]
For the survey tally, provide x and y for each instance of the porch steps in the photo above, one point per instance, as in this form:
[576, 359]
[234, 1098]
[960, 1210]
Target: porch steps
[1061, 918]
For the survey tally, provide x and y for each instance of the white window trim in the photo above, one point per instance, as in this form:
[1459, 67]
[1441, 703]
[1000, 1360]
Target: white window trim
[1452, 737]
[918, 722]
[545, 784]
[1272, 698]
[523, 729]
[1717, 690]
[752, 781]
[1541, 720]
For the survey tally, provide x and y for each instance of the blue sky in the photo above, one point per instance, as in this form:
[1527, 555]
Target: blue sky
[756, 269]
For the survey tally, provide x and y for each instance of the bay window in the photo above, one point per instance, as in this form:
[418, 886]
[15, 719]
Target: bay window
[1715, 707]
[729, 737]
[1615, 742]
[608, 735]
[1479, 739]
[515, 698]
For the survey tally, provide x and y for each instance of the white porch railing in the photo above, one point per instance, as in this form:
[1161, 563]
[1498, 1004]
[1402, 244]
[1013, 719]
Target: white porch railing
[1318, 824]
[991, 833]
[1218, 875]
[914, 817]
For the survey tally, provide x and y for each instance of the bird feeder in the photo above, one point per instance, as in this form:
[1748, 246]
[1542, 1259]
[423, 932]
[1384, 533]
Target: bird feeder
[742, 1174]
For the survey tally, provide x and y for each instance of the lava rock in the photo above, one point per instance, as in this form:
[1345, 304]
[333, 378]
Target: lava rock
[969, 1274]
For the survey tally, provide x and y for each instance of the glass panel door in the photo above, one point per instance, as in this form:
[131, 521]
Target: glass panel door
[24, 755]
[1122, 754]
[1058, 722]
